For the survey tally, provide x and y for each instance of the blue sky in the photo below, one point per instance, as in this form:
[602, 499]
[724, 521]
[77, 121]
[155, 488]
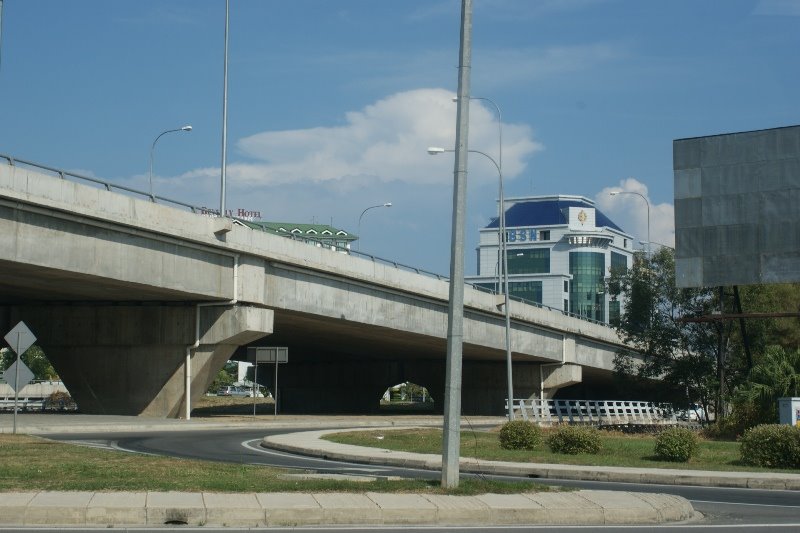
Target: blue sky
[332, 104]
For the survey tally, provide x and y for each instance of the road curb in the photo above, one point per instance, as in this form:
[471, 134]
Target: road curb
[312, 509]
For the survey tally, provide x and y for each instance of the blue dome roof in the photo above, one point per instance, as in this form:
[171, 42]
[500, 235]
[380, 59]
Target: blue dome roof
[551, 212]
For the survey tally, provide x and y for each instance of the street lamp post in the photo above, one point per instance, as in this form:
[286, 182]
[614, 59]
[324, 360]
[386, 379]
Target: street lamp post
[646, 201]
[153, 147]
[224, 163]
[502, 244]
[358, 243]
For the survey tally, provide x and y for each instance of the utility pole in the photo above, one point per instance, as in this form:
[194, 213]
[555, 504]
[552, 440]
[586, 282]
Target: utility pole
[455, 312]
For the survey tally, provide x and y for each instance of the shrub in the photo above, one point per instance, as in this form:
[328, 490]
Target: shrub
[60, 400]
[520, 435]
[771, 445]
[573, 440]
[676, 444]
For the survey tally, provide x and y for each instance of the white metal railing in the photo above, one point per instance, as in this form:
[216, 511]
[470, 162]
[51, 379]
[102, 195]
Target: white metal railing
[23, 404]
[593, 412]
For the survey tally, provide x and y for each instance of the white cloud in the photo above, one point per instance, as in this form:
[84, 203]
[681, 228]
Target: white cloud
[386, 141]
[377, 154]
[629, 211]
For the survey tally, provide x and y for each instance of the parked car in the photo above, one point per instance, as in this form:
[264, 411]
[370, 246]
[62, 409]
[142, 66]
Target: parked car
[694, 414]
[234, 391]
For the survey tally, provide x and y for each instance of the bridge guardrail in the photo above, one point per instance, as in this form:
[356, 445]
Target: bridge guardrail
[204, 211]
[594, 412]
[107, 185]
[23, 404]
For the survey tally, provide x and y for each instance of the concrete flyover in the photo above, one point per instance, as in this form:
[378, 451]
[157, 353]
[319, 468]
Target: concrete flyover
[136, 302]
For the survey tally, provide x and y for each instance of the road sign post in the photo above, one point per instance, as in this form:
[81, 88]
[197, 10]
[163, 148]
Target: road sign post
[20, 339]
[254, 389]
[268, 354]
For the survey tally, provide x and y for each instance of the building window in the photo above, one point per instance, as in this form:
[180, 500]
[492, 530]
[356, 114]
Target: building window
[613, 313]
[566, 305]
[544, 235]
[587, 292]
[624, 243]
[529, 261]
[566, 286]
[530, 291]
[490, 287]
[619, 262]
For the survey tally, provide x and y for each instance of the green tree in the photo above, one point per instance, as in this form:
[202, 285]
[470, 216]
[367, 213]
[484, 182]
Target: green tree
[682, 354]
[35, 359]
[775, 375]
[674, 330]
[773, 331]
[226, 376]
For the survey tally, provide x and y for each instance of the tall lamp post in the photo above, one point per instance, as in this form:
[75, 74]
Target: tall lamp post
[153, 147]
[224, 163]
[387, 204]
[502, 244]
[646, 201]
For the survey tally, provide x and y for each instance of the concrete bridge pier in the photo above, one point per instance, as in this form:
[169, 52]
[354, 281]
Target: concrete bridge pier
[556, 376]
[131, 359]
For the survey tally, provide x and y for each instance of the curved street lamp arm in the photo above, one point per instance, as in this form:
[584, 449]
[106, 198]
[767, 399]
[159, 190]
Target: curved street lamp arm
[386, 204]
[153, 147]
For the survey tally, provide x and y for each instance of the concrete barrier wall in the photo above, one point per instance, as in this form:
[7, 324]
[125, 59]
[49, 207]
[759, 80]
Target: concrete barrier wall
[33, 390]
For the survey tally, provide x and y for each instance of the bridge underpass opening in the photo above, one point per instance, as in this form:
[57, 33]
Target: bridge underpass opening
[322, 380]
[406, 397]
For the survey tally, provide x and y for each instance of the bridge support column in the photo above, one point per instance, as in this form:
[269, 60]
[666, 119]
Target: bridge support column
[556, 376]
[485, 386]
[130, 359]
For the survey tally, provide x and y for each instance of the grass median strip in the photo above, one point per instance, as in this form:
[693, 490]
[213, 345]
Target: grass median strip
[32, 463]
[617, 450]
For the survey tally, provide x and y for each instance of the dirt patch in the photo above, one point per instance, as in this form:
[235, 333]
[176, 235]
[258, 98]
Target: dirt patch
[231, 405]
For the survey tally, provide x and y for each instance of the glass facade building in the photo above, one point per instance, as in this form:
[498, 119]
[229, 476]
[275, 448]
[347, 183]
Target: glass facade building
[587, 291]
[560, 250]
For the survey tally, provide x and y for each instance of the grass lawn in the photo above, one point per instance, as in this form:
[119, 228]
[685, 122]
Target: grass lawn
[618, 449]
[32, 463]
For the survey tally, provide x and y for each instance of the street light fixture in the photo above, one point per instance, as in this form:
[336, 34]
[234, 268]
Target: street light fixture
[433, 150]
[358, 243]
[646, 201]
[153, 147]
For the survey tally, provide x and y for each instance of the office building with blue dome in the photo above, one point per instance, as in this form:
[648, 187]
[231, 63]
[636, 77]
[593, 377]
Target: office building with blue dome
[560, 251]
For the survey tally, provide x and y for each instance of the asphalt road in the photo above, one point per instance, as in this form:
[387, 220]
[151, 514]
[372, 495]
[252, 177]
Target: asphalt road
[776, 509]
